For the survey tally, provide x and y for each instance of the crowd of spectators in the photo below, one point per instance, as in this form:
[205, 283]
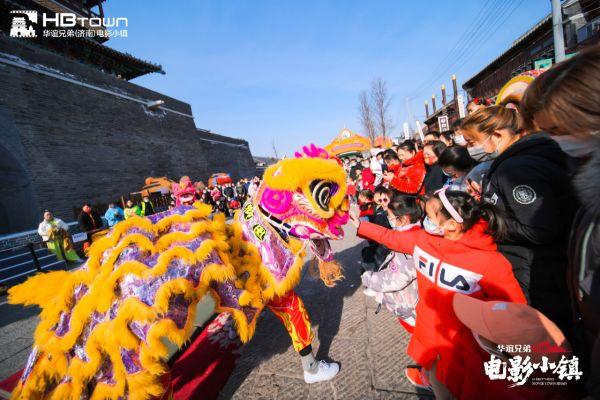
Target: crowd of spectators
[493, 224]
[228, 197]
[224, 198]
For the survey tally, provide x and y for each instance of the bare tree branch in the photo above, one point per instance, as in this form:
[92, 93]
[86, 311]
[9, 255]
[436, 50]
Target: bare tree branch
[365, 116]
[380, 101]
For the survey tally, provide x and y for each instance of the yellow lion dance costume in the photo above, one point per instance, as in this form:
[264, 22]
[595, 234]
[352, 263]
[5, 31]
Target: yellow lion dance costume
[105, 328]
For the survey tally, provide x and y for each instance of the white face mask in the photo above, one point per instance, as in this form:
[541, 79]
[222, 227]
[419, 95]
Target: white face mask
[460, 140]
[475, 150]
[431, 228]
[494, 153]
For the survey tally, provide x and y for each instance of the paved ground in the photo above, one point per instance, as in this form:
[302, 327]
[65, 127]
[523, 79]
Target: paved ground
[370, 347]
[16, 331]
[16, 334]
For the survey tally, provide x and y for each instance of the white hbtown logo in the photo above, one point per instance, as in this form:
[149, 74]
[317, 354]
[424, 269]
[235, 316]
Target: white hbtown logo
[23, 20]
[69, 20]
[22, 23]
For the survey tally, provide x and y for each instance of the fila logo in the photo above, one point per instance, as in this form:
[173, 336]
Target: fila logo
[425, 263]
[458, 279]
[445, 275]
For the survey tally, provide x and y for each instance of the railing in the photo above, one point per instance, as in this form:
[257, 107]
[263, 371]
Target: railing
[20, 262]
[36, 261]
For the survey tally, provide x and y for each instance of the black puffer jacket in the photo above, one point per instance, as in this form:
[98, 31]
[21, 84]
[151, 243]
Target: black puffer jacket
[434, 178]
[530, 181]
[584, 270]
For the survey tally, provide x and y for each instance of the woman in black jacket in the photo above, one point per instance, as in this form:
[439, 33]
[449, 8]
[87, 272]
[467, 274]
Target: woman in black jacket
[565, 101]
[434, 177]
[530, 181]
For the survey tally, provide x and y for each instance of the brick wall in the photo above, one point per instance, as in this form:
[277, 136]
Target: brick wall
[72, 144]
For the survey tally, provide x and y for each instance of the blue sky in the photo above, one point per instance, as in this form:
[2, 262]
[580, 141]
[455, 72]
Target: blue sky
[291, 71]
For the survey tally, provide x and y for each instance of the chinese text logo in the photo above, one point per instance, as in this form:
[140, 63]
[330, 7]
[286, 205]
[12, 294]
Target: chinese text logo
[519, 369]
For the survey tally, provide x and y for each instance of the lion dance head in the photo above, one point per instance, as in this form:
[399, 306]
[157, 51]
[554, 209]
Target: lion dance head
[305, 197]
[184, 192]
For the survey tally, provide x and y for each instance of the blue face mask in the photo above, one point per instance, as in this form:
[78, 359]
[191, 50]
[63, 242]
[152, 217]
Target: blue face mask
[431, 228]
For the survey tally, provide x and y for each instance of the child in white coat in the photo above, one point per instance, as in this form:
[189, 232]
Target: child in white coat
[394, 285]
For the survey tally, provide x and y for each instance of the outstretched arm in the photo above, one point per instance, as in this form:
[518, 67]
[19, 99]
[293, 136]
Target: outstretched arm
[403, 242]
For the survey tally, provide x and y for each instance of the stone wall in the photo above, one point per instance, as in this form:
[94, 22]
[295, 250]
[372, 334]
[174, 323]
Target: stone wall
[64, 143]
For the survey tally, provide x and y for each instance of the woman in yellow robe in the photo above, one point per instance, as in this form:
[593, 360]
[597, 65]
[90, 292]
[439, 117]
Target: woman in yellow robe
[55, 233]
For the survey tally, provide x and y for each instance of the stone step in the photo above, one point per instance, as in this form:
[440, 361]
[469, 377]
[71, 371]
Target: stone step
[21, 255]
[17, 265]
[28, 270]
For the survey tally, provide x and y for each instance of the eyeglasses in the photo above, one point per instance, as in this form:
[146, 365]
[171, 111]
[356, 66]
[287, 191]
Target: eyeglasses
[384, 200]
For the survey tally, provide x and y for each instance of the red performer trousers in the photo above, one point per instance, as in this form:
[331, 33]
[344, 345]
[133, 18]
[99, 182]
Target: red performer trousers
[290, 310]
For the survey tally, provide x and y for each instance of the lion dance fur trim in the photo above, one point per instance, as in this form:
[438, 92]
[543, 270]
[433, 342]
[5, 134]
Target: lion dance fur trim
[102, 326]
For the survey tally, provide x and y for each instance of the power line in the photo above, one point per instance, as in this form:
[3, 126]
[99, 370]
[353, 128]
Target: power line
[494, 26]
[467, 35]
[478, 36]
[501, 21]
[494, 16]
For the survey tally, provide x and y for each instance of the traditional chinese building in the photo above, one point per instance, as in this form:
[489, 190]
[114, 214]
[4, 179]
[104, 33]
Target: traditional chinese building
[447, 109]
[75, 130]
[535, 48]
[348, 143]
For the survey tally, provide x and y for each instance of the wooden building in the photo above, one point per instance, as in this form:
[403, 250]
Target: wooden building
[535, 48]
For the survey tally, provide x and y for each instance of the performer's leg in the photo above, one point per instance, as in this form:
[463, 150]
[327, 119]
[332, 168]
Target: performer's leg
[290, 310]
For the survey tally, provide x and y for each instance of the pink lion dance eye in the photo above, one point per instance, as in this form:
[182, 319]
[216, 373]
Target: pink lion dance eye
[276, 201]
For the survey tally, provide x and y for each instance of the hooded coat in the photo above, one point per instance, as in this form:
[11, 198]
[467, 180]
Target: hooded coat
[472, 266]
[375, 167]
[530, 181]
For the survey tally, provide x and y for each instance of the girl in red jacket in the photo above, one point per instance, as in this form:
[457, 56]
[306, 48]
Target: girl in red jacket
[407, 174]
[366, 204]
[454, 253]
[368, 177]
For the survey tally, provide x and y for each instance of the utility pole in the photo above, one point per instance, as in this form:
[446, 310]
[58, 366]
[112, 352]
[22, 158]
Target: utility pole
[274, 149]
[557, 29]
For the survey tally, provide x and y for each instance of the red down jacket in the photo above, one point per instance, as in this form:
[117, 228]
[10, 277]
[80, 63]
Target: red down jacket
[409, 176]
